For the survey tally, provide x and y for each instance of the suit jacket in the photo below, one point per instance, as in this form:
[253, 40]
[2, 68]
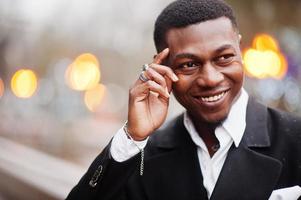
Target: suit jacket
[268, 158]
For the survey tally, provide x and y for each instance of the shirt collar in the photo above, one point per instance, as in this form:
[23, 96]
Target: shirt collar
[234, 124]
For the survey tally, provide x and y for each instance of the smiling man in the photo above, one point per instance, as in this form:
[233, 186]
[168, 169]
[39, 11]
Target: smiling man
[226, 146]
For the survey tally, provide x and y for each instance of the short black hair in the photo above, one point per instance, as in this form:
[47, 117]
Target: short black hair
[182, 13]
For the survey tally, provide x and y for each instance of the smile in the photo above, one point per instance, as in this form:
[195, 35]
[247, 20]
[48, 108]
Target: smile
[213, 98]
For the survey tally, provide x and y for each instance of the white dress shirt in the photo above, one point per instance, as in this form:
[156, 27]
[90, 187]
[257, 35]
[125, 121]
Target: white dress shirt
[231, 130]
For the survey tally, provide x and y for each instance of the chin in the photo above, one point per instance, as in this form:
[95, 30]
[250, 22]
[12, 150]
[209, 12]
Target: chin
[214, 118]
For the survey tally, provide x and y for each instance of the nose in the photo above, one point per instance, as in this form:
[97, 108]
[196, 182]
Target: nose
[209, 76]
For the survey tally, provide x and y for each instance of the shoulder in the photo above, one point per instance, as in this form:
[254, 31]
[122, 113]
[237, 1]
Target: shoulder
[268, 126]
[285, 131]
[276, 121]
[287, 122]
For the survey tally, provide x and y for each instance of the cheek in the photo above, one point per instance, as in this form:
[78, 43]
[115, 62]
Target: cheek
[182, 85]
[181, 90]
[235, 73]
[239, 75]
[177, 89]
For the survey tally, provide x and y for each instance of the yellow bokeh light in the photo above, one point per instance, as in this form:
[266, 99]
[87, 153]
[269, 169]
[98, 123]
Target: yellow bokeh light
[262, 64]
[250, 60]
[24, 83]
[1, 88]
[83, 73]
[265, 60]
[264, 42]
[94, 97]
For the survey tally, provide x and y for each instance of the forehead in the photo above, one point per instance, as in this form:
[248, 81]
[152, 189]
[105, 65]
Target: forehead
[204, 36]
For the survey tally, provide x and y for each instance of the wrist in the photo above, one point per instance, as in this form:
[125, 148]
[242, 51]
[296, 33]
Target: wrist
[132, 136]
[135, 141]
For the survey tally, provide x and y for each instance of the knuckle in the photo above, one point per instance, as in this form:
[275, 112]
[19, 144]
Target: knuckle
[149, 71]
[151, 66]
[162, 81]
[160, 90]
[149, 83]
[169, 71]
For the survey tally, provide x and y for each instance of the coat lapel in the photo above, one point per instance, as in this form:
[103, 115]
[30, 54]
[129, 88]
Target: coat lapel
[245, 169]
[175, 172]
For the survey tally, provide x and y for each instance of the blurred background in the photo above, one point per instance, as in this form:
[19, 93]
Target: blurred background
[66, 67]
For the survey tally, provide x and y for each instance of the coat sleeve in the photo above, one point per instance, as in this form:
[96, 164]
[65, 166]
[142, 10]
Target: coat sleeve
[105, 179]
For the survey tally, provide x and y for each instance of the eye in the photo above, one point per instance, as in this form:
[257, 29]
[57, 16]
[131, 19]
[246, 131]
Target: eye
[188, 65]
[187, 68]
[224, 59]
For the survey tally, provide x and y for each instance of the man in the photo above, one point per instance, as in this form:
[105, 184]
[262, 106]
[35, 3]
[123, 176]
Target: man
[226, 146]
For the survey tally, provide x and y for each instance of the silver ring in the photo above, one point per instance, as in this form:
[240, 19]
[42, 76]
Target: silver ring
[142, 77]
[145, 67]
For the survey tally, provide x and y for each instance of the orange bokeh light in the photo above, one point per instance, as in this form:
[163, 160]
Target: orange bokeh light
[264, 42]
[83, 73]
[282, 72]
[94, 97]
[24, 83]
[264, 59]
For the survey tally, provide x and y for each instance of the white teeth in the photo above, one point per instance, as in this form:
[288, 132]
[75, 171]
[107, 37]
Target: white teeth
[213, 98]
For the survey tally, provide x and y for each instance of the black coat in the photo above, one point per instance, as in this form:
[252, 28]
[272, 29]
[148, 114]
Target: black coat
[268, 158]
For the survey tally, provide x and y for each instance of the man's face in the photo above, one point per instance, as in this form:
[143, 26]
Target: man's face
[207, 60]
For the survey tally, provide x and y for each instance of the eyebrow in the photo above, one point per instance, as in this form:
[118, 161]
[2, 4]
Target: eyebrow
[194, 57]
[186, 55]
[223, 47]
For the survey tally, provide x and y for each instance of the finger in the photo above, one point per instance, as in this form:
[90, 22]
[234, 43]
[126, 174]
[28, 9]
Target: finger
[155, 76]
[140, 80]
[141, 91]
[152, 86]
[165, 71]
[169, 85]
[155, 87]
[161, 56]
[164, 81]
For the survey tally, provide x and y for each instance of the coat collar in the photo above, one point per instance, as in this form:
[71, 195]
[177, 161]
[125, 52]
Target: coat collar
[244, 167]
[256, 119]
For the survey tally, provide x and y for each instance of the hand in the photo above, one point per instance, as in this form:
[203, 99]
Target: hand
[148, 101]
